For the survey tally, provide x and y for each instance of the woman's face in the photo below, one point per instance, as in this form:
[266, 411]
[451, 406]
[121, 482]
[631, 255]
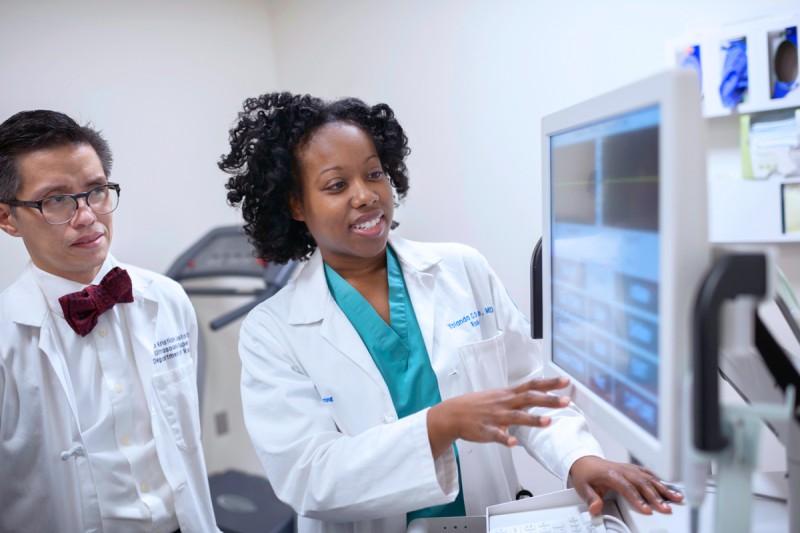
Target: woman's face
[347, 199]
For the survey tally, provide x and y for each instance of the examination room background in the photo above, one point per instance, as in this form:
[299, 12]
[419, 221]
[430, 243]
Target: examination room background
[469, 80]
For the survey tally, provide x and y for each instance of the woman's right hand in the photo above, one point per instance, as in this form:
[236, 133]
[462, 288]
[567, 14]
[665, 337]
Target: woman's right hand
[486, 416]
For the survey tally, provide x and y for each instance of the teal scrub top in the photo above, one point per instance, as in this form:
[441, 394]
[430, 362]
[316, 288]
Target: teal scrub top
[399, 353]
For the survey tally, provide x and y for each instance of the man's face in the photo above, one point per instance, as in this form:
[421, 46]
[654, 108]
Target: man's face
[75, 250]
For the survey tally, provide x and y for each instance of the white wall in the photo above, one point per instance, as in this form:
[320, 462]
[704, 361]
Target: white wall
[163, 81]
[470, 81]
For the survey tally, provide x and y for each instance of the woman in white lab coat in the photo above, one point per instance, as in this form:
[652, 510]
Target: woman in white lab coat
[389, 380]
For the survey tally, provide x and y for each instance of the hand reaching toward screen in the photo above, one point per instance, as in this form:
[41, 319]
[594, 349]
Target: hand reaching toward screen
[486, 416]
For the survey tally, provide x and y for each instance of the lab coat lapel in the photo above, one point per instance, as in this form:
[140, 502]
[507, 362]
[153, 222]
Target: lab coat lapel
[421, 287]
[35, 313]
[417, 269]
[340, 333]
[313, 302]
[142, 317]
[48, 345]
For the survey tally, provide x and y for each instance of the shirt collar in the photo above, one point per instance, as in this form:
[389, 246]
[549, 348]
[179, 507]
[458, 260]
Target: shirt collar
[312, 295]
[54, 287]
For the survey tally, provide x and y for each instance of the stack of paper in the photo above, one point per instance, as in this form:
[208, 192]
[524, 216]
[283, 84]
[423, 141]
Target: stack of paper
[773, 144]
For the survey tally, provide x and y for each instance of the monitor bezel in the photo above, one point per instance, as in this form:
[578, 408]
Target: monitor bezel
[683, 246]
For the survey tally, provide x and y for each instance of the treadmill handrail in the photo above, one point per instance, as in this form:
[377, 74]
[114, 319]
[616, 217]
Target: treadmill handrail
[281, 279]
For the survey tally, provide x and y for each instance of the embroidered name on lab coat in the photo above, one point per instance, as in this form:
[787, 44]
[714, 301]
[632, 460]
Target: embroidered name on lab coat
[170, 347]
[473, 318]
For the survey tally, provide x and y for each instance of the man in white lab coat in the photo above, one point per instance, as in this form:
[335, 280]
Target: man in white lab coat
[99, 418]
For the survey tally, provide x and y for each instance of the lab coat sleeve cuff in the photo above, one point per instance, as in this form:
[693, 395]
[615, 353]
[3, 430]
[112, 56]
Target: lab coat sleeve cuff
[566, 481]
[566, 440]
[445, 465]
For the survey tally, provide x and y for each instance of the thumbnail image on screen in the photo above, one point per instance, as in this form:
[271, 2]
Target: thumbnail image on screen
[605, 260]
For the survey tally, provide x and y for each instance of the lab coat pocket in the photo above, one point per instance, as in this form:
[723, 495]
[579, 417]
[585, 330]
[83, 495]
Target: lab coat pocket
[176, 390]
[485, 363]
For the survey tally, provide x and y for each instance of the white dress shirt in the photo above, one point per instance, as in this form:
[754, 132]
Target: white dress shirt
[114, 419]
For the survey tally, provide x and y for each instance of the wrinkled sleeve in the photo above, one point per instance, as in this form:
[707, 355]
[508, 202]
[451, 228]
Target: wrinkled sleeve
[567, 438]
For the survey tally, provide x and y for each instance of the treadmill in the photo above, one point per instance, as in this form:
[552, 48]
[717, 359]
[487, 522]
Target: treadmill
[243, 502]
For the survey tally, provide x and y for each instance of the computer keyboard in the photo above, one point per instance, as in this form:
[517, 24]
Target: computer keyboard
[557, 520]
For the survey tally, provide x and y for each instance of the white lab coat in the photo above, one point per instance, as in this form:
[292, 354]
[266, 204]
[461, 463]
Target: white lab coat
[322, 419]
[46, 480]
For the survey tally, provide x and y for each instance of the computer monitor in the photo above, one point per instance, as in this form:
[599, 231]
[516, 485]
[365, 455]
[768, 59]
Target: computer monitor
[625, 245]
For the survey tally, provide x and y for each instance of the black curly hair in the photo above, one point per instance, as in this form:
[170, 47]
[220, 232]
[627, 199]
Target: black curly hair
[263, 162]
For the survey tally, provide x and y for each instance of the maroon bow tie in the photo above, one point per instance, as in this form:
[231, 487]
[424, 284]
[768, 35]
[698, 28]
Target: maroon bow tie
[82, 308]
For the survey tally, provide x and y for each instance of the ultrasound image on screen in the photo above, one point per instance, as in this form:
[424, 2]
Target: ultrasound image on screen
[605, 260]
[575, 171]
[630, 179]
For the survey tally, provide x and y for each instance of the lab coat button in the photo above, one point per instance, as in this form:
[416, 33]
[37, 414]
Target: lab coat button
[388, 419]
[117, 388]
[101, 332]
[126, 441]
[145, 488]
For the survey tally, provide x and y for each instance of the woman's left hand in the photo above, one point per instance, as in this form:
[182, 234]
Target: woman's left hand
[593, 476]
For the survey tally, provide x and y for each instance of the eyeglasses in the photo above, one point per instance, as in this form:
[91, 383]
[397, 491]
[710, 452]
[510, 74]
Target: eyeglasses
[60, 209]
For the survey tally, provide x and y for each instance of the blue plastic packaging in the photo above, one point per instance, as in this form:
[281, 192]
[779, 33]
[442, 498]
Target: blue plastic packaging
[734, 74]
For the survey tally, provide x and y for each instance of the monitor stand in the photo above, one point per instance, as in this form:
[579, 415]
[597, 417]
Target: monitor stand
[728, 435]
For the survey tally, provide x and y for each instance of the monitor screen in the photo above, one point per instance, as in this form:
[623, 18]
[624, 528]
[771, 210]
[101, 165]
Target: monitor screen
[624, 244]
[605, 260]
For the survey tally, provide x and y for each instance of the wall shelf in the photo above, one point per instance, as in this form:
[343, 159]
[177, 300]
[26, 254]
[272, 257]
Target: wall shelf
[742, 209]
[760, 35]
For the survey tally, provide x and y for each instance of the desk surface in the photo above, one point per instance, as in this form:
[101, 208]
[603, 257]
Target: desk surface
[769, 511]
[768, 516]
